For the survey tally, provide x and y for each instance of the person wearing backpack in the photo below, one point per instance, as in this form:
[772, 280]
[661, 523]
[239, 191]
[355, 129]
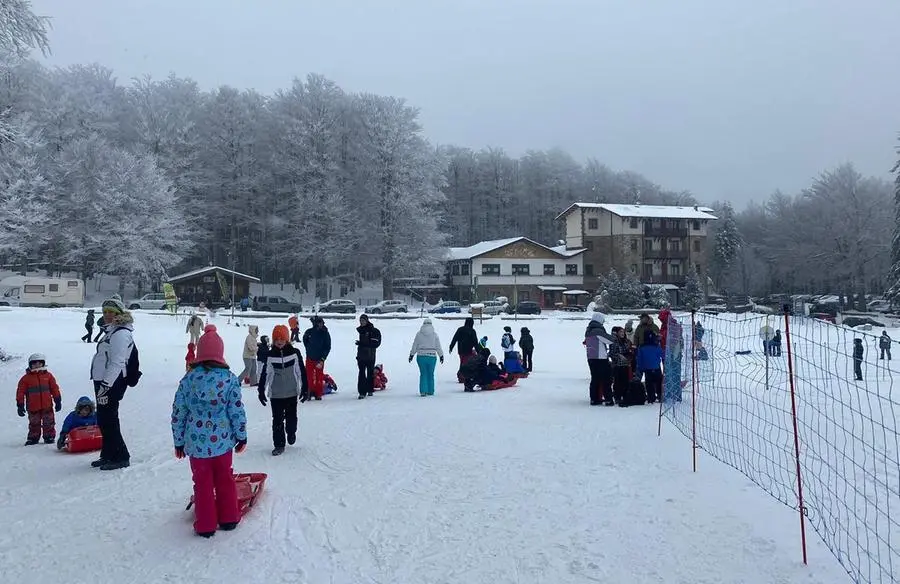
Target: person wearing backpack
[113, 369]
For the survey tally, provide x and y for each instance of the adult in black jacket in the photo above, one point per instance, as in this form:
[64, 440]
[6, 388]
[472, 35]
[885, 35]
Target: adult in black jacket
[89, 326]
[317, 341]
[366, 348]
[526, 343]
[466, 341]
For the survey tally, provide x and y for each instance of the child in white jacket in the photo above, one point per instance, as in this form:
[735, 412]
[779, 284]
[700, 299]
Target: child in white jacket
[427, 350]
[250, 375]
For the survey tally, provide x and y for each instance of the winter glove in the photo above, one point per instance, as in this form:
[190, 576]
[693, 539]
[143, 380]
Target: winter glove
[441, 359]
[21, 410]
[61, 442]
[410, 358]
[320, 364]
[102, 397]
[58, 403]
[262, 399]
[304, 397]
[240, 446]
[179, 452]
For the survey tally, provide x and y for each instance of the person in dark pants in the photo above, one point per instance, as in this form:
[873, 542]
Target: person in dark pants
[884, 343]
[596, 342]
[619, 355]
[108, 374]
[283, 381]
[366, 348]
[858, 353]
[526, 343]
[101, 324]
[465, 339]
[89, 326]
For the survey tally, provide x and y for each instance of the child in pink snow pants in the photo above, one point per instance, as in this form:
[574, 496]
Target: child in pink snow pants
[208, 423]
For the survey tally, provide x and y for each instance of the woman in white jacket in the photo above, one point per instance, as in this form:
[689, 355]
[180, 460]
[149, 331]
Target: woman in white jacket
[427, 350]
[108, 369]
[250, 375]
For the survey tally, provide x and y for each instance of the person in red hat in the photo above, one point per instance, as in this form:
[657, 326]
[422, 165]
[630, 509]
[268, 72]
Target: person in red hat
[282, 382]
[208, 423]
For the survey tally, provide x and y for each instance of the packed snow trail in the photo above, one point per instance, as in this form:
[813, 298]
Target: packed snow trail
[527, 485]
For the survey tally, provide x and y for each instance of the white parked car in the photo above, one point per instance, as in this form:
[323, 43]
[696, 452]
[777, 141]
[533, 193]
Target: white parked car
[155, 301]
[492, 307]
[386, 306]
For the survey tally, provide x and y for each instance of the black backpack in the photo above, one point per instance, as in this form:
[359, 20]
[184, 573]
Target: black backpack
[133, 367]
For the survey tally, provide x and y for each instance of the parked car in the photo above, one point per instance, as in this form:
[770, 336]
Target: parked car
[882, 306]
[338, 306]
[446, 307]
[274, 304]
[154, 301]
[527, 307]
[386, 306]
[491, 307]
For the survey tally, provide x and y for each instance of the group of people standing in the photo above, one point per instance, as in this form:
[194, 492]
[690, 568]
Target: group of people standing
[626, 364]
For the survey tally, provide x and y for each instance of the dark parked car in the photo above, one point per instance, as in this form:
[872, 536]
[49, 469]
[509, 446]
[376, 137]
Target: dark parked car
[527, 307]
[274, 304]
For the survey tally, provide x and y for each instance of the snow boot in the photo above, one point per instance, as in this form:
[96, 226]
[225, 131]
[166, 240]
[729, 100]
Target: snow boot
[361, 396]
[31, 442]
[228, 526]
[278, 451]
[49, 440]
[318, 398]
[370, 394]
[116, 465]
[206, 534]
[98, 463]
[291, 438]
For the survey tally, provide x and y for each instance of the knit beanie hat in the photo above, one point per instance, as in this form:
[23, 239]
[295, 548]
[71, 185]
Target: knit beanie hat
[281, 333]
[507, 329]
[114, 303]
[210, 346]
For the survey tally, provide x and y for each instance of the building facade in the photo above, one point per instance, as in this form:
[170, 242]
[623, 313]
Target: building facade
[659, 244]
[518, 268]
[212, 285]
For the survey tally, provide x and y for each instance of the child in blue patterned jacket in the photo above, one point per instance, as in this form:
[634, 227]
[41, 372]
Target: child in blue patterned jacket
[208, 422]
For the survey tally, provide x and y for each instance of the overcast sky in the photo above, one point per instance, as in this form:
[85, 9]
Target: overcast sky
[729, 99]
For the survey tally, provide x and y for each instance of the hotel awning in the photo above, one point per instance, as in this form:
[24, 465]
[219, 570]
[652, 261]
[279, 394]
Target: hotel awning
[552, 288]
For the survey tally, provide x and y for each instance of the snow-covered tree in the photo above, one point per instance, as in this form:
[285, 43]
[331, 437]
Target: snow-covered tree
[657, 296]
[24, 194]
[116, 213]
[623, 291]
[692, 296]
[894, 277]
[727, 245]
[21, 30]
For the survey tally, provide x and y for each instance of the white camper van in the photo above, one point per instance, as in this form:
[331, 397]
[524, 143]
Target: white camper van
[46, 292]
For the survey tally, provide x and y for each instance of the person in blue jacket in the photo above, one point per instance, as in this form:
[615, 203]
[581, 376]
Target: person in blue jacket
[649, 365]
[84, 414]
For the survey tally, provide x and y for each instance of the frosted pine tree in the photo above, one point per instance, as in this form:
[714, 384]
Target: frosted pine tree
[894, 278]
[727, 244]
[622, 291]
[658, 296]
[24, 194]
[692, 296]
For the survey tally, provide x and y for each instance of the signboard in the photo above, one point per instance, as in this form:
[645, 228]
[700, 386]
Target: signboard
[171, 299]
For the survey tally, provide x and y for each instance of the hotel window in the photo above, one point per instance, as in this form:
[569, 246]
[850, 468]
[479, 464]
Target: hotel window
[593, 224]
[571, 269]
[549, 270]
[521, 269]
[490, 270]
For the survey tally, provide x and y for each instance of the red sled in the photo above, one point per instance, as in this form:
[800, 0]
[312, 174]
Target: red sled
[522, 375]
[249, 487]
[499, 384]
[84, 439]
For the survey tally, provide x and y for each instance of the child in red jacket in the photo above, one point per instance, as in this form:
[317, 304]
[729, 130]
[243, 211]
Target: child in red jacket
[38, 393]
[190, 357]
[380, 381]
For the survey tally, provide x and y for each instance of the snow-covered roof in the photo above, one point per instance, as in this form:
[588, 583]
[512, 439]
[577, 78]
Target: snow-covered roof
[575, 292]
[208, 269]
[552, 288]
[646, 211]
[561, 250]
[473, 251]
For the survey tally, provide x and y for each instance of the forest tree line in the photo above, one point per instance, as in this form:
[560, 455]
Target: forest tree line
[150, 177]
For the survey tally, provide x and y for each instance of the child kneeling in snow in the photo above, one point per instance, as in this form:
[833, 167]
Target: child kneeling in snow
[84, 414]
[380, 382]
[208, 421]
[330, 384]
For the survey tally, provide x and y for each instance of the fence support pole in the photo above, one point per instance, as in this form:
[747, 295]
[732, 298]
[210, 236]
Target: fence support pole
[790, 363]
[693, 389]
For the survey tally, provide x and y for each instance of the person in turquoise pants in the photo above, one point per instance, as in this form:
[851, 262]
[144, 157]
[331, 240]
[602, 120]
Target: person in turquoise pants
[426, 348]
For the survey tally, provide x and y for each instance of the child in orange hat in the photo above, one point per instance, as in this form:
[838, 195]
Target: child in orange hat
[282, 382]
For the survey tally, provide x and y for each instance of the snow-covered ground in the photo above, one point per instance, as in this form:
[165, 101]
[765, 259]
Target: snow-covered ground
[529, 485]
